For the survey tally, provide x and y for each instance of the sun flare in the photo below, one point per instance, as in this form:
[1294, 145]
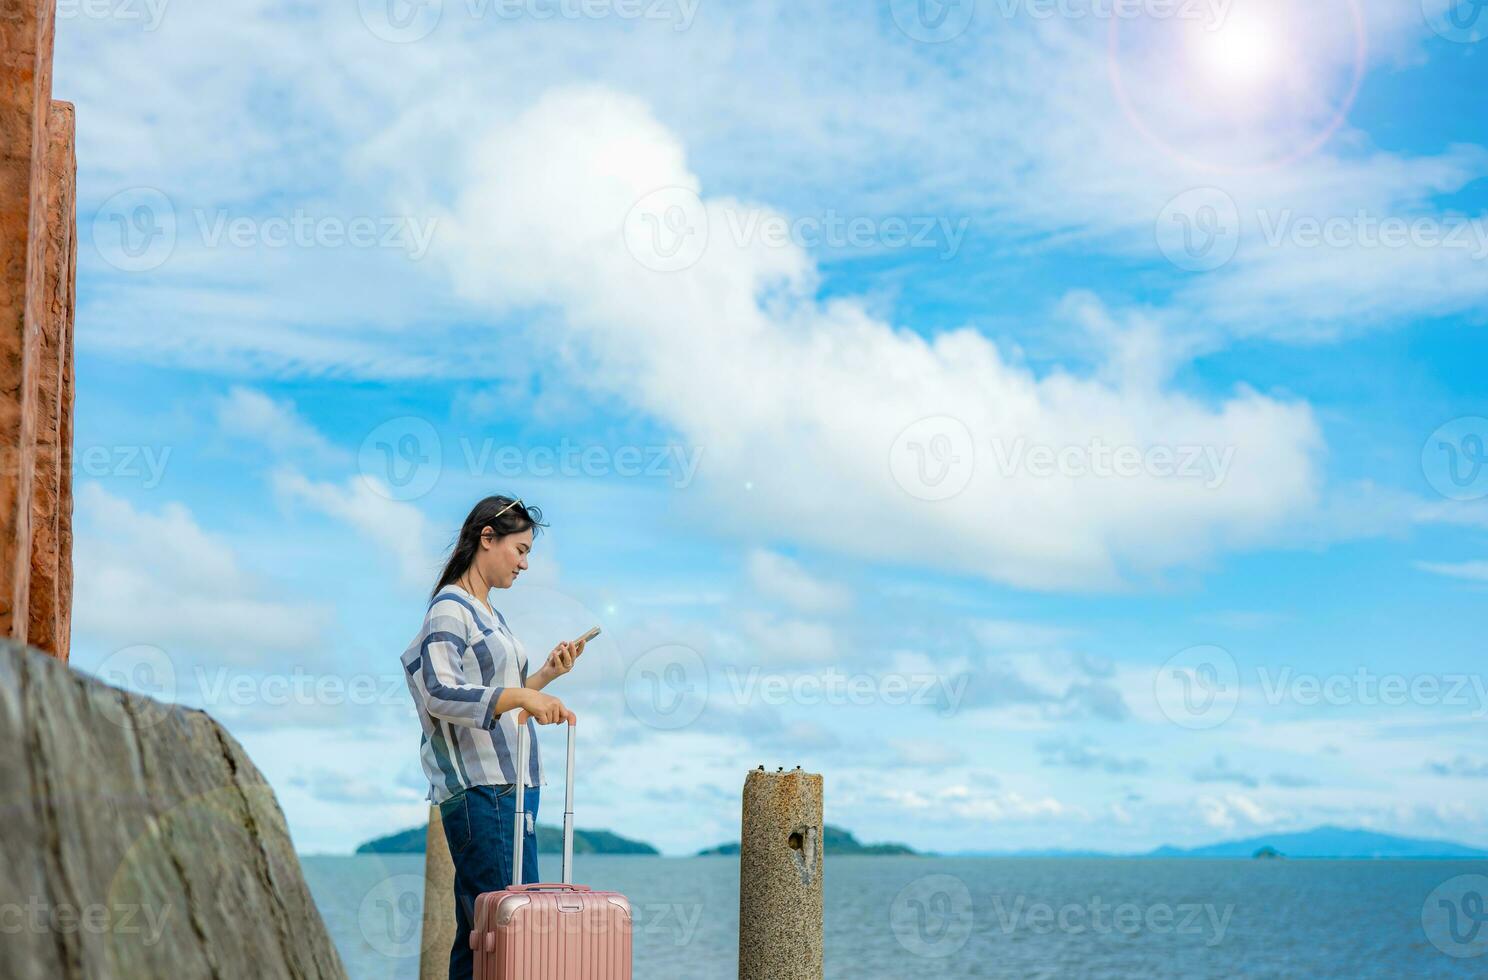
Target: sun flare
[1242, 54]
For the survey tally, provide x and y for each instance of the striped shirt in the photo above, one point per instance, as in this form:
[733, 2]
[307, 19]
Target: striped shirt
[456, 668]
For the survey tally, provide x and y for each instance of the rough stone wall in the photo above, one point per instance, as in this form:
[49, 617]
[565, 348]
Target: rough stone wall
[38, 221]
[140, 841]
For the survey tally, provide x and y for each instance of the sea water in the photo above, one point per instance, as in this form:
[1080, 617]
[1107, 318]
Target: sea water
[924, 917]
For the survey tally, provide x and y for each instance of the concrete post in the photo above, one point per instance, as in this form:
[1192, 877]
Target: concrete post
[780, 876]
[439, 903]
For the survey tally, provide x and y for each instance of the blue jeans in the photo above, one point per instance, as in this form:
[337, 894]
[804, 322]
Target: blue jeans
[478, 825]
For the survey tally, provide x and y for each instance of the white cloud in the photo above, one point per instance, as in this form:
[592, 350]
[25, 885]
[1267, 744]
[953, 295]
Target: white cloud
[780, 577]
[737, 355]
[1472, 571]
[1004, 634]
[251, 414]
[161, 579]
[398, 527]
[768, 638]
[1233, 810]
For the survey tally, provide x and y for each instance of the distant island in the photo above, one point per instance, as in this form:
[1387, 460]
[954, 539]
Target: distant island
[549, 841]
[835, 841]
[1328, 842]
[1320, 842]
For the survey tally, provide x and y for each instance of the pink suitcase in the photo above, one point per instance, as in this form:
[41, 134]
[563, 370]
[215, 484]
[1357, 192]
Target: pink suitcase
[557, 931]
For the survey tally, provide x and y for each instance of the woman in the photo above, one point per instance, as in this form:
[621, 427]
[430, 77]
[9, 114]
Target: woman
[469, 679]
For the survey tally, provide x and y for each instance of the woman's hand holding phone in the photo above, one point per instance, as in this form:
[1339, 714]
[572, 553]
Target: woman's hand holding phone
[562, 659]
[544, 709]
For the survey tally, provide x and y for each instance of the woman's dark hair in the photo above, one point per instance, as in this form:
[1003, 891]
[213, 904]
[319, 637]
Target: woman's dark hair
[512, 520]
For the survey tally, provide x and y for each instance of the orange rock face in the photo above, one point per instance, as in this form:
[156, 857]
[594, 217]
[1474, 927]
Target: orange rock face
[38, 271]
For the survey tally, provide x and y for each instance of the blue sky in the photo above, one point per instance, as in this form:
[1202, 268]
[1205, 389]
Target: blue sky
[1042, 424]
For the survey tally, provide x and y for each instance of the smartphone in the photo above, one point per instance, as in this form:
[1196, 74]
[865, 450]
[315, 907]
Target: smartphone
[587, 636]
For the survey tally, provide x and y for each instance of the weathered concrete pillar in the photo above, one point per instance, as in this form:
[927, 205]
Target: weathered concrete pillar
[38, 270]
[51, 492]
[780, 877]
[439, 903]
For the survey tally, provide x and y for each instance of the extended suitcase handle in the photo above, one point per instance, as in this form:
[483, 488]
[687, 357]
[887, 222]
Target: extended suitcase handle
[520, 831]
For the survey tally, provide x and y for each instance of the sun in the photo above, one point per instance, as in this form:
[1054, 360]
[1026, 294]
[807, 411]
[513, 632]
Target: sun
[1239, 56]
